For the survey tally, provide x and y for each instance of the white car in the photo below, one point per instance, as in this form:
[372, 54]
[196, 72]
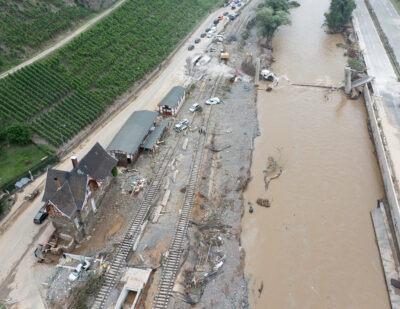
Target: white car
[219, 38]
[213, 29]
[181, 125]
[194, 107]
[213, 101]
[85, 265]
[209, 35]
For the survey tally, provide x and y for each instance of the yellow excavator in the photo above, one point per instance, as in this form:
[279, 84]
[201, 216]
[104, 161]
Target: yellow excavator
[224, 53]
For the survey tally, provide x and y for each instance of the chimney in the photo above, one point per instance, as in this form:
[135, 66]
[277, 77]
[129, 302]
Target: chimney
[57, 183]
[74, 160]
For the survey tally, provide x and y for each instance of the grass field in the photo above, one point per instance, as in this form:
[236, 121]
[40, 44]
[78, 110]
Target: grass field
[16, 160]
[25, 25]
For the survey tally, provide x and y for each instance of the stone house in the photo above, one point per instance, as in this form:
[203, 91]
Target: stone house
[71, 197]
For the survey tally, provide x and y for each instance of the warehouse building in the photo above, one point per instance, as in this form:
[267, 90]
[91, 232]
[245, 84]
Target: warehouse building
[127, 143]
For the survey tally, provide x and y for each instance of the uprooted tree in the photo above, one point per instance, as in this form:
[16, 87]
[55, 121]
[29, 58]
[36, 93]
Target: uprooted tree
[339, 14]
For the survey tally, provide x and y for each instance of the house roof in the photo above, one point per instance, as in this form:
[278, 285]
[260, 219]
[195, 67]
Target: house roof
[97, 163]
[76, 183]
[63, 199]
[50, 187]
[155, 135]
[172, 97]
[131, 135]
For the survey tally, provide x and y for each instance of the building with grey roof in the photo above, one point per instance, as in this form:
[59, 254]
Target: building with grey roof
[154, 136]
[97, 163]
[126, 144]
[172, 102]
[70, 197]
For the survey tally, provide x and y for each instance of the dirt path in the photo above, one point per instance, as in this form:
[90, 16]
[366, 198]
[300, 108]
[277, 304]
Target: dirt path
[63, 41]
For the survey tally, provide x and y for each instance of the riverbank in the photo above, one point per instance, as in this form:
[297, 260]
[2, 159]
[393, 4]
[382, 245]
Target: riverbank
[317, 234]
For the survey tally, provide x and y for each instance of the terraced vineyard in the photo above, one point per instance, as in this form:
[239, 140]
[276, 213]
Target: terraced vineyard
[25, 25]
[67, 91]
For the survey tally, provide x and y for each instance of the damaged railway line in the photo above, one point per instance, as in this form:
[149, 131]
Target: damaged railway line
[171, 265]
[132, 236]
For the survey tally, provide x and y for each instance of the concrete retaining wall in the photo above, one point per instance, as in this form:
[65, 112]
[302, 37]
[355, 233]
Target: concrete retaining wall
[386, 171]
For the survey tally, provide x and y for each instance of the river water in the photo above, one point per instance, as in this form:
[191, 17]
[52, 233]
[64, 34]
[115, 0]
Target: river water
[315, 246]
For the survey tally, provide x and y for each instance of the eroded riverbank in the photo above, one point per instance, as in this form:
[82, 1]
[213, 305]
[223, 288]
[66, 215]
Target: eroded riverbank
[315, 246]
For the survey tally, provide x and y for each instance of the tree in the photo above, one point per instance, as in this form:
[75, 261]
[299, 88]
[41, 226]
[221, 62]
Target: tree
[18, 134]
[269, 20]
[339, 14]
[114, 171]
[278, 5]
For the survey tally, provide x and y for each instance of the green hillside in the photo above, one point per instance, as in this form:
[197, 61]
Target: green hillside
[26, 24]
[64, 93]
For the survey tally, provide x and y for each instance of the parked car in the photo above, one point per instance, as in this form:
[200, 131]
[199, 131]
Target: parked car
[190, 47]
[40, 216]
[194, 107]
[85, 265]
[239, 4]
[213, 29]
[226, 13]
[197, 41]
[232, 17]
[216, 21]
[207, 29]
[233, 7]
[213, 101]
[181, 125]
[203, 35]
[209, 35]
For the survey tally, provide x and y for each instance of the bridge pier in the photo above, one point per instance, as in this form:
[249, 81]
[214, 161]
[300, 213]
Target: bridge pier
[347, 80]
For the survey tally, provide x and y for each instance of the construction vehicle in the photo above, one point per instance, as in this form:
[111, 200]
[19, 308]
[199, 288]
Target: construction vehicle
[224, 53]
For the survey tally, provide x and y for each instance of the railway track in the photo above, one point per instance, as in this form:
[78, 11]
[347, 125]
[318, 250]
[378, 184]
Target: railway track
[171, 265]
[133, 233]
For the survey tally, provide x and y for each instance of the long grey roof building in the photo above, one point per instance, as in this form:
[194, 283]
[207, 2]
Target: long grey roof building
[133, 132]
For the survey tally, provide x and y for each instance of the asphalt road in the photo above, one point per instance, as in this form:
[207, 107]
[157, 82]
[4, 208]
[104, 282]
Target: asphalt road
[20, 276]
[378, 63]
[63, 41]
[389, 20]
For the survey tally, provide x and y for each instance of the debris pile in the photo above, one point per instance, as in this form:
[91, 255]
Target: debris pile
[272, 166]
[210, 259]
[263, 202]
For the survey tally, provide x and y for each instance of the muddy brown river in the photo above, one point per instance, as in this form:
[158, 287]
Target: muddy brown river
[315, 246]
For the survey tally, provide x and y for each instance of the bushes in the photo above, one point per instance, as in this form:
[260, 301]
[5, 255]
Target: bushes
[18, 134]
[339, 14]
[355, 64]
[114, 171]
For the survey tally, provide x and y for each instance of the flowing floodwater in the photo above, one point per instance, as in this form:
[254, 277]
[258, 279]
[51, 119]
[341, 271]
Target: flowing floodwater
[315, 246]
